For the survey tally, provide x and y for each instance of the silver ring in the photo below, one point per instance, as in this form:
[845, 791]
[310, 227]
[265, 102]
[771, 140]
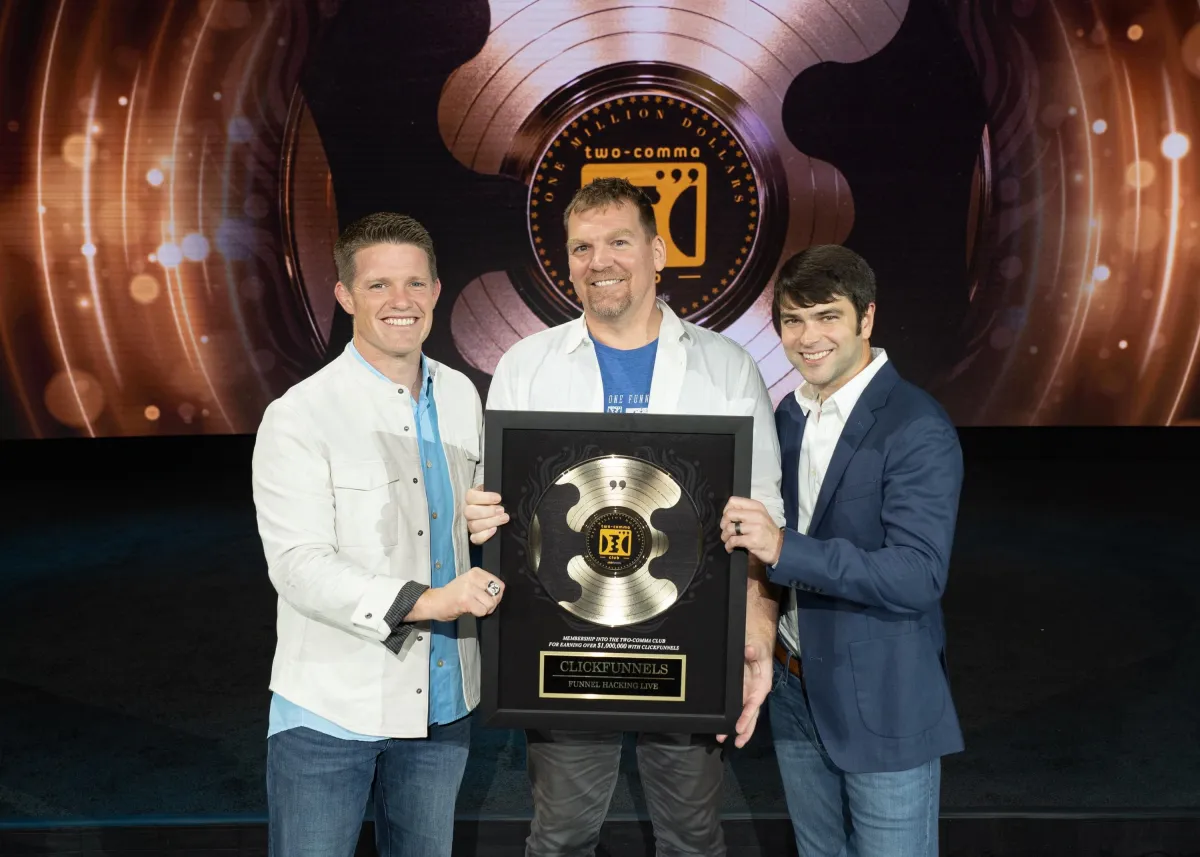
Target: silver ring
[493, 587]
[737, 528]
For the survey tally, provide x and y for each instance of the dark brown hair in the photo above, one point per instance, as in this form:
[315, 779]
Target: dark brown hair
[821, 274]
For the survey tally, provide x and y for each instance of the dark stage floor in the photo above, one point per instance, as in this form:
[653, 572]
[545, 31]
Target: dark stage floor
[138, 626]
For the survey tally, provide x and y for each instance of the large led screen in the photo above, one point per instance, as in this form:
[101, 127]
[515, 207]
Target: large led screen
[1020, 175]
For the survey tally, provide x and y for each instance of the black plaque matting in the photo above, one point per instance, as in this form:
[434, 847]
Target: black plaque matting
[696, 644]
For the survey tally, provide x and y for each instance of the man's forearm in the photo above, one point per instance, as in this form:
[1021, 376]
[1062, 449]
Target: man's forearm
[410, 605]
[762, 605]
[404, 612]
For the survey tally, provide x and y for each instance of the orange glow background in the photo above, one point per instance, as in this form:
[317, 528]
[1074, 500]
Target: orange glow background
[150, 282]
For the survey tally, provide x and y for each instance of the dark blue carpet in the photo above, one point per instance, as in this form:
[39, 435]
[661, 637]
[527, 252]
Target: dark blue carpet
[137, 628]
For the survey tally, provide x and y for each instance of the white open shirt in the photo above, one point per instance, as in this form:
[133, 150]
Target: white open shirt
[696, 371]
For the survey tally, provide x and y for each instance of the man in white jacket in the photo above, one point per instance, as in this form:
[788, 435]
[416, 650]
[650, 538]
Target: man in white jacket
[360, 473]
[629, 352]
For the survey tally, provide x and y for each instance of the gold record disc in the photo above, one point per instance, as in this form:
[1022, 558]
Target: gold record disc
[617, 497]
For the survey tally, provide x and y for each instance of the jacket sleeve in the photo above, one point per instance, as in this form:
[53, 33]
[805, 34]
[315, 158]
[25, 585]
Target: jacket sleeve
[502, 389]
[501, 397]
[477, 478]
[294, 502]
[922, 479]
[765, 467]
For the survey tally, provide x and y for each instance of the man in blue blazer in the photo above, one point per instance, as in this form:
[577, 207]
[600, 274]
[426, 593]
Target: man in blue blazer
[860, 710]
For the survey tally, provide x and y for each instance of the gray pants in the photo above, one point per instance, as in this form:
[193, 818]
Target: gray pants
[573, 775]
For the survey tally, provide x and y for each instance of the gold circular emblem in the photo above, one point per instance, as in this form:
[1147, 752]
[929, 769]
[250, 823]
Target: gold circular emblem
[701, 181]
[609, 582]
[617, 541]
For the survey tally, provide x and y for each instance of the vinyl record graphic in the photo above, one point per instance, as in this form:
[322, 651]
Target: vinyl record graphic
[615, 541]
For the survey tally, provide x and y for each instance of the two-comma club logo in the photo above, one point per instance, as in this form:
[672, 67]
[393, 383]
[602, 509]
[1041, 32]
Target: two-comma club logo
[692, 166]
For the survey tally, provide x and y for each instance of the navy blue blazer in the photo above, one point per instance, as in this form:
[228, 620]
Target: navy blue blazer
[869, 577]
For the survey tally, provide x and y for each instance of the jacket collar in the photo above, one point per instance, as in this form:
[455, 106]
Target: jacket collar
[847, 397]
[373, 381]
[860, 421]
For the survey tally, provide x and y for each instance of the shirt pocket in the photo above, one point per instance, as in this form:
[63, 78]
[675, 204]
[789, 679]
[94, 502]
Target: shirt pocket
[463, 452]
[366, 502]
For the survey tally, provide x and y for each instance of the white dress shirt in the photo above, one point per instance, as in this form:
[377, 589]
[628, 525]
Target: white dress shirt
[344, 521]
[823, 426]
[696, 371]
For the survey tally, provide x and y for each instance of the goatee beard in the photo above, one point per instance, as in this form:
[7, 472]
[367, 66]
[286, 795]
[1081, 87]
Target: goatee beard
[611, 306]
[611, 310]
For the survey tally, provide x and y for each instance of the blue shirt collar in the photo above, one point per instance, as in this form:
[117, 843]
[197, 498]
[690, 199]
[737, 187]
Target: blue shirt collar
[426, 375]
[639, 352]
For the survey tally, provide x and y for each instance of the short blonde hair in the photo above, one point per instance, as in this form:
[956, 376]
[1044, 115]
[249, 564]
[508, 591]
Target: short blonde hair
[382, 227]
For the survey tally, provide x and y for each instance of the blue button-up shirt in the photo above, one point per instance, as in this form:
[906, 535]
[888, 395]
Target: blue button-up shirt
[446, 701]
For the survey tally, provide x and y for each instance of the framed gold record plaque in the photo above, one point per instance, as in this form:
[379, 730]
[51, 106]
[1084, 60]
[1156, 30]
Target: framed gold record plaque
[622, 610]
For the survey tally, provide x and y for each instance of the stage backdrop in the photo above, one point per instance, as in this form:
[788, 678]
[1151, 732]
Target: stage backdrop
[173, 175]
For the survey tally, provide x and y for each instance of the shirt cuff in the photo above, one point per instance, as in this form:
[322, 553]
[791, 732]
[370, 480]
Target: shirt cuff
[401, 607]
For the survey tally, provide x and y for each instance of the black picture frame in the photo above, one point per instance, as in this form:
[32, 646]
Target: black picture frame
[507, 436]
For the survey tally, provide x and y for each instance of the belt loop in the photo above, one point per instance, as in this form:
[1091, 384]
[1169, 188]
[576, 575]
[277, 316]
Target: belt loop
[790, 662]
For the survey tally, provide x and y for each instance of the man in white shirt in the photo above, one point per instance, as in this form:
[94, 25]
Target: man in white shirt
[629, 352]
[360, 473]
[861, 710]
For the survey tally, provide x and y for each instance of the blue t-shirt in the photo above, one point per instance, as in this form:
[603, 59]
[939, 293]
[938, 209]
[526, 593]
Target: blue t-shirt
[626, 376]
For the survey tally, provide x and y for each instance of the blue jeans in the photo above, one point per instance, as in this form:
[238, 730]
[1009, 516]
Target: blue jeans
[839, 814]
[318, 786]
